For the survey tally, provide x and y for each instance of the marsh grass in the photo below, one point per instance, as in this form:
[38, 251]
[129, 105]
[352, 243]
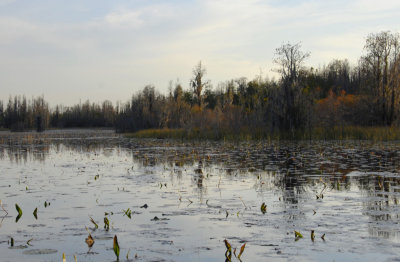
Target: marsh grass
[244, 134]
[358, 133]
[159, 133]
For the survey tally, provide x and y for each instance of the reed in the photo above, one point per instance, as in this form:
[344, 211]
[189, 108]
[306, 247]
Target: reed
[378, 133]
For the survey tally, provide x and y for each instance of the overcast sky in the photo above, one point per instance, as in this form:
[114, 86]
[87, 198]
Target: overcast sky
[99, 49]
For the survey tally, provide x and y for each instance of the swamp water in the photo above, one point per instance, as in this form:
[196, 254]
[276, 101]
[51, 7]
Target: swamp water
[185, 198]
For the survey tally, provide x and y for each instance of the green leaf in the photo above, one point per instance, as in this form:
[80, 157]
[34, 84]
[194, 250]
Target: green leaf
[18, 209]
[35, 213]
[297, 235]
[128, 212]
[263, 208]
[116, 247]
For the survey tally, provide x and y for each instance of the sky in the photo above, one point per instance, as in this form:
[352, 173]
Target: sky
[71, 51]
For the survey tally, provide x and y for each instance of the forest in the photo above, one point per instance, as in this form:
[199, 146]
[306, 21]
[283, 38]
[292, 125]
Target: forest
[301, 101]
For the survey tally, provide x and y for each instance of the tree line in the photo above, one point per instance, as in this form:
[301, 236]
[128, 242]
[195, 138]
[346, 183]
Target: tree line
[303, 98]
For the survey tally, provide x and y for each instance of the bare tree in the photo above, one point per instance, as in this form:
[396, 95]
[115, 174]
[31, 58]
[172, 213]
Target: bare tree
[198, 83]
[290, 59]
[381, 63]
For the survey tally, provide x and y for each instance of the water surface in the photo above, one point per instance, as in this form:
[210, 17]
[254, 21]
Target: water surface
[197, 194]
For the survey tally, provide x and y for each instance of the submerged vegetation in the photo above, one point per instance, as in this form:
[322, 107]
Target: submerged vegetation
[337, 101]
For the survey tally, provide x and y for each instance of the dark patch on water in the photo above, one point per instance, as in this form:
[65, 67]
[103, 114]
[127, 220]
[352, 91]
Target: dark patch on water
[44, 251]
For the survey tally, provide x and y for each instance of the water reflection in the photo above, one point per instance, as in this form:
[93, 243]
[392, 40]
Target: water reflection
[341, 182]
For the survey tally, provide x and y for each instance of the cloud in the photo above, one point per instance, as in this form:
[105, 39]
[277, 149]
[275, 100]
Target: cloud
[143, 17]
[124, 18]
[126, 46]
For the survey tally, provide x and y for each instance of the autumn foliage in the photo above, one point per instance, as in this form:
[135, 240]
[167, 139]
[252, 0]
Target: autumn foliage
[302, 102]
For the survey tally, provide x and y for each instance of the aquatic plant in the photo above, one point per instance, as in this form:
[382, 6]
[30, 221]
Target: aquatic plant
[228, 252]
[89, 241]
[29, 242]
[321, 195]
[19, 210]
[297, 235]
[116, 247]
[159, 133]
[35, 213]
[106, 224]
[241, 250]
[245, 207]
[94, 223]
[2, 207]
[263, 208]
[128, 213]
